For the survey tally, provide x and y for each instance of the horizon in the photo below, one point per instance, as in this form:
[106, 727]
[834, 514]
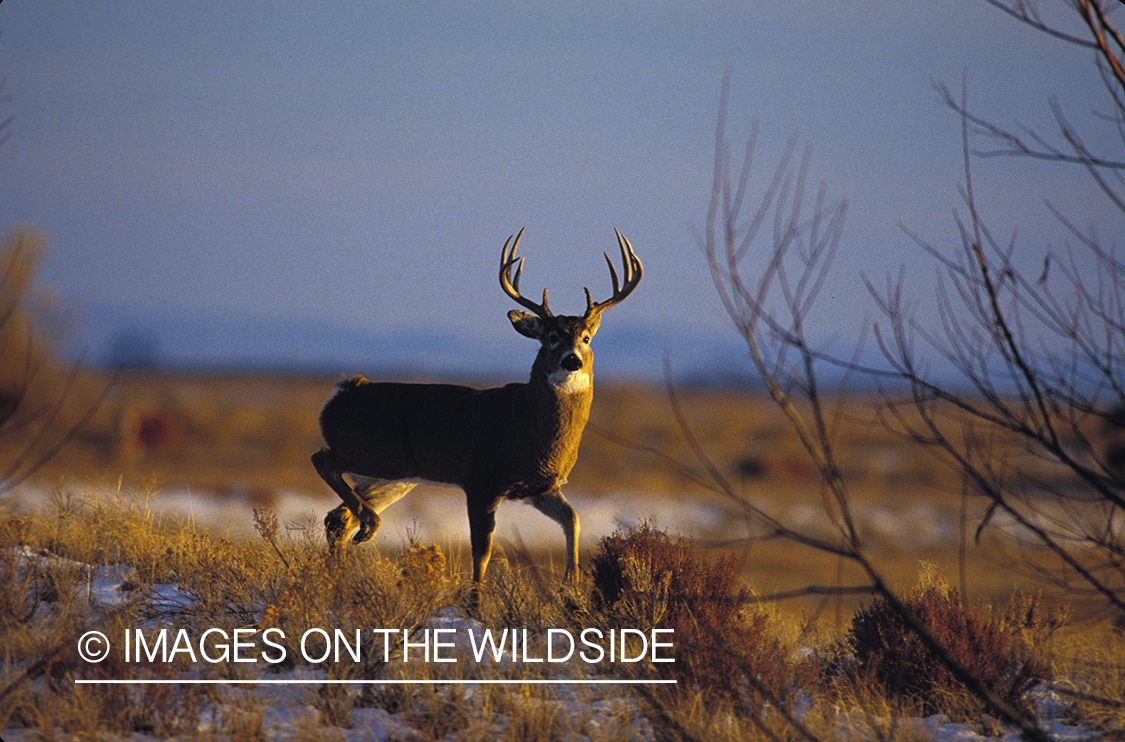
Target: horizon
[362, 167]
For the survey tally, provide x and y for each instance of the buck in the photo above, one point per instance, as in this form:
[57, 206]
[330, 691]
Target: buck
[515, 442]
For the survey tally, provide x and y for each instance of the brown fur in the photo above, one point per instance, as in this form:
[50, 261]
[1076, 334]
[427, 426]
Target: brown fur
[518, 441]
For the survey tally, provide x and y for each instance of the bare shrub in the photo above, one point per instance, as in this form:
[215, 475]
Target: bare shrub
[1035, 338]
[43, 404]
[1036, 357]
[769, 303]
[889, 655]
[725, 642]
[646, 566]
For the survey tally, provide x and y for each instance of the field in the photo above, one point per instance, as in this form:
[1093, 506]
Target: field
[215, 446]
[187, 502]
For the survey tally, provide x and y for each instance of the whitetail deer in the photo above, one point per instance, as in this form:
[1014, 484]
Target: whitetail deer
[516, 442]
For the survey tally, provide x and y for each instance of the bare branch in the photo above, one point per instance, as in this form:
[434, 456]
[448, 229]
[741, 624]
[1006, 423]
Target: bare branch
[1026, 13]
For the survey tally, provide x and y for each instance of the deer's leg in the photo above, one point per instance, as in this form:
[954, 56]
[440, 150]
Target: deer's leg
[354, 515]
[340, 526]
[554, 505]
[377, 495]
[481, 526]
[482, 522]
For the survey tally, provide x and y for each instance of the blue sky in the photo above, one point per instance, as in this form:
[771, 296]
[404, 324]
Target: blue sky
[362, 163]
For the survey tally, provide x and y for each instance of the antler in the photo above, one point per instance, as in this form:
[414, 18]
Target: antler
[511, 282]
[632, 273]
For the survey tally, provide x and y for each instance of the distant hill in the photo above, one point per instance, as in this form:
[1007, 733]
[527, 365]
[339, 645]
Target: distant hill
[115, 337]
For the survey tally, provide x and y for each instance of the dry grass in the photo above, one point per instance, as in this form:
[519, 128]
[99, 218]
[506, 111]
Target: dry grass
[247, 439]
[746, 670]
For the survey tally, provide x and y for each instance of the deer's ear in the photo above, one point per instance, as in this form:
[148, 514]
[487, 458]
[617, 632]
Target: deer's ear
[592, 325]
[526, 324]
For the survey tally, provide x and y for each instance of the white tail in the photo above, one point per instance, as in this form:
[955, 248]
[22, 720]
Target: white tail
[516, 442]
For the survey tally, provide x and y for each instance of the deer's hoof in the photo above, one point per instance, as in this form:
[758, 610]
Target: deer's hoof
[369, 523]
[338, 525]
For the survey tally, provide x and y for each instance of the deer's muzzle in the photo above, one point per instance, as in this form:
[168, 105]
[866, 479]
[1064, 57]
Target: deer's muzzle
[571, 362]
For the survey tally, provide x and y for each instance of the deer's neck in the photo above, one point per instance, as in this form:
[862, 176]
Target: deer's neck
[557, 414]
[565, 404]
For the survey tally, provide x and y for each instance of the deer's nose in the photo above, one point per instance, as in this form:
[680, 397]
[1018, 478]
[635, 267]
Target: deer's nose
[571, 362]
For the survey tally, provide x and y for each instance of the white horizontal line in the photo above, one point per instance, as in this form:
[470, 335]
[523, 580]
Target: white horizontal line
[282, 681]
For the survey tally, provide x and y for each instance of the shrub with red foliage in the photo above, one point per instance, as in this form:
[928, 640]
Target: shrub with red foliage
[644, 559]
[892, 656]
[724, 643]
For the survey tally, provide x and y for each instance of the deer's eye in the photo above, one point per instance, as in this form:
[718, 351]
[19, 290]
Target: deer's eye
[553, 339]
[586, 339]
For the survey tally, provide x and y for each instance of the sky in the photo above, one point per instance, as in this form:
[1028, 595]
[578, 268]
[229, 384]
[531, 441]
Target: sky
[361, 164]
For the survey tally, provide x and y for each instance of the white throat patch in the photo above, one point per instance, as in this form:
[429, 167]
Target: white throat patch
[570, 382]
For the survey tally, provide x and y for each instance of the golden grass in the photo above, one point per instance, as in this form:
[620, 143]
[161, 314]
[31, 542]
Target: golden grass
[287, 581]
[247, 439]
